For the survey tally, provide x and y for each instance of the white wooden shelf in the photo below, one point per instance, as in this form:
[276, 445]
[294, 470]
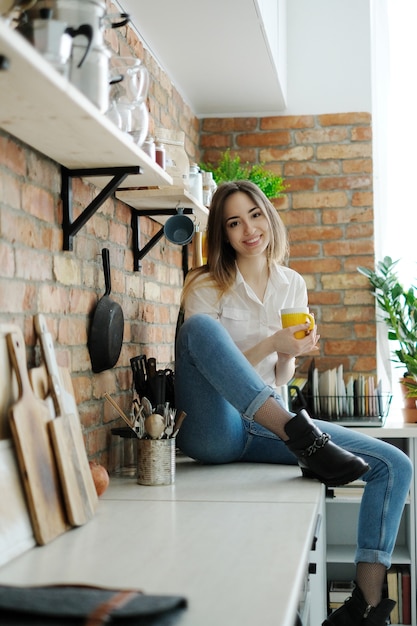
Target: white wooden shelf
[43, 109]
[163, 198]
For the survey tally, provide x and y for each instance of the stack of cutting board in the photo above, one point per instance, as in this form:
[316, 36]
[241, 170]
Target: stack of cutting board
[48, 440]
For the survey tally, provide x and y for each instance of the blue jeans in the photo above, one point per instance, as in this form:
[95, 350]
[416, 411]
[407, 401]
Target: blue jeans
[221, 392]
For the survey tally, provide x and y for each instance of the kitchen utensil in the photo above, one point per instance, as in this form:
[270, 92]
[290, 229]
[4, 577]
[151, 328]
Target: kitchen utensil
[119, 411]
[197, 248]
[9, 391]
[29, 418]
[155, 425]
[77, 483]
[157, 384]
[169, 421]
[54, 39]
[106, 331]
[16, 535]
[93, 12]
[179, 229]
[129, 80]
[134, 84]
[139, 418]
[39, 381]
[140, 123]
[147, 406]
[151, 367]
[178, 423]
[91, 76]
[138, 364]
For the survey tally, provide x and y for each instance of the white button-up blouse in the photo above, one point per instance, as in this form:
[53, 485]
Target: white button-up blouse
[244, 316]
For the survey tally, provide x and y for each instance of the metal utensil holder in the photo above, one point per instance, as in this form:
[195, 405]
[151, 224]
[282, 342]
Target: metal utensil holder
[156, 461]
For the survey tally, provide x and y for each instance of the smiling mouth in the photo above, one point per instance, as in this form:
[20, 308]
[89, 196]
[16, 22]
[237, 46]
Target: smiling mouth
[253, 241]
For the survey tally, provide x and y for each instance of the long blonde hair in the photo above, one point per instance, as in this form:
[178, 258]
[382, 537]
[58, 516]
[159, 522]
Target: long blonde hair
[221, 257]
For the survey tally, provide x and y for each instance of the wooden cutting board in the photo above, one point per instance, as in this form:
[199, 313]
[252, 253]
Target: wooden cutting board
[75, 475]
[29, 418]
[16, 533]
[8, 386]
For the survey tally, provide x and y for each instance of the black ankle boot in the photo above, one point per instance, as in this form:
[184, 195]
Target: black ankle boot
[318, 457]
[356, 612]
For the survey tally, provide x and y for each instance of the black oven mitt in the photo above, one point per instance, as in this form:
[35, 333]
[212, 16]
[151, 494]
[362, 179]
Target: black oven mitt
[82, 605]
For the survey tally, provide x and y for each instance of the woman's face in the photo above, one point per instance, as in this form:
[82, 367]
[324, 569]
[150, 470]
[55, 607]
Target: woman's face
[245, 225]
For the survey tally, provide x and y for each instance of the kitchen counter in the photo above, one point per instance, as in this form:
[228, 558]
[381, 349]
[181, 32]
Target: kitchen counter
[233, 539]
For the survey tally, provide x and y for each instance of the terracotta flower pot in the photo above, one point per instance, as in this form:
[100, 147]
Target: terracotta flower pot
[410, 416]
[408, 403]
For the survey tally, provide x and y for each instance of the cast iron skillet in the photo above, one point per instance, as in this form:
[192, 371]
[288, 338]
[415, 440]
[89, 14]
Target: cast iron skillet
[106, 330]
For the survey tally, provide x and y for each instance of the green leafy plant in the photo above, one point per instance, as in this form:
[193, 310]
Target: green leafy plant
[230, 168]
[399, 307]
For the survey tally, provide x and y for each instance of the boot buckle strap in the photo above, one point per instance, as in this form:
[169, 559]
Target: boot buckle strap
[318, 443]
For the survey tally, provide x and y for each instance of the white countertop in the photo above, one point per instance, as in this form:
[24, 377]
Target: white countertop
[233, 539]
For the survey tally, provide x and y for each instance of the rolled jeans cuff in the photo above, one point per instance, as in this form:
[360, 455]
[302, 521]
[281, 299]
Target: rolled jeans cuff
[364, 555]
[256, 404]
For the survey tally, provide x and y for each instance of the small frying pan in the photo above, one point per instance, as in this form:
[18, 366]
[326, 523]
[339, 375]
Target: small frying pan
[106, 331]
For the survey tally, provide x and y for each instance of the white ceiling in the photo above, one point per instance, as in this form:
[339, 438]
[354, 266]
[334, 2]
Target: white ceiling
[216, 53]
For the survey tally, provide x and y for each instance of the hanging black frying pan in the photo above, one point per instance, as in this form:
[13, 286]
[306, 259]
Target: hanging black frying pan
[106, 331]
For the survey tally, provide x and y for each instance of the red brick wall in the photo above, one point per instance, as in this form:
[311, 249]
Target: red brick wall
[326, 161]
[37, 276]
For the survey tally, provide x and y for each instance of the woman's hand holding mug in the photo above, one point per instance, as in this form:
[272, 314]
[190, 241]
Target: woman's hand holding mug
[295, 317]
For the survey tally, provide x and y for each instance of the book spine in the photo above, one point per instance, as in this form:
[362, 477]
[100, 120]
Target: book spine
[392, 584]
[406, 595]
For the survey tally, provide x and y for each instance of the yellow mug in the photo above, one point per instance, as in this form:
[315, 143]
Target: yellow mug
[293, 317]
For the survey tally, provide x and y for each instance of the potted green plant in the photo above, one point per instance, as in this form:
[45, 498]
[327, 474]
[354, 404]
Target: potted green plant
[399, 307]
[230, 168]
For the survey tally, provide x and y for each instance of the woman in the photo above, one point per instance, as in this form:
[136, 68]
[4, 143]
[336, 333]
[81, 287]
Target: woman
[231, 356]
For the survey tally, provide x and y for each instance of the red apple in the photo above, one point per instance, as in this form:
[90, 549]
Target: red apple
[100, 477]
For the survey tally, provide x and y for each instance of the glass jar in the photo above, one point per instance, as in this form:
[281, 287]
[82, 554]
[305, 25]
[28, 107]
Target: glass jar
[196, 182]
[209, 187]
[177, 163]
[148, 146]
[160, 155]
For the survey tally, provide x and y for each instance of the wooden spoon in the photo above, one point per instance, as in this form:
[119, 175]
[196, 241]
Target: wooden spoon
[155, 425]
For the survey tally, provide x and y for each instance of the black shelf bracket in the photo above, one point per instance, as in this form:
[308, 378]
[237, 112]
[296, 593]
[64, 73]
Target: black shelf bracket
[138, 253]
[70, 226]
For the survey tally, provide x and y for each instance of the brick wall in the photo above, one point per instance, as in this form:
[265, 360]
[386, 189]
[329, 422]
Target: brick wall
[37, 276]
[327, 163]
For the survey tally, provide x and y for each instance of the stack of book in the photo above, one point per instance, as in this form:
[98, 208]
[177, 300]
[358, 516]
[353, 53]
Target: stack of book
[339, 591]
[398, 589]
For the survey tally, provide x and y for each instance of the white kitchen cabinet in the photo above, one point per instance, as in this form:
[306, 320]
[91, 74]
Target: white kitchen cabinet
[342, 512]
[234, 539]
[318, 571]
